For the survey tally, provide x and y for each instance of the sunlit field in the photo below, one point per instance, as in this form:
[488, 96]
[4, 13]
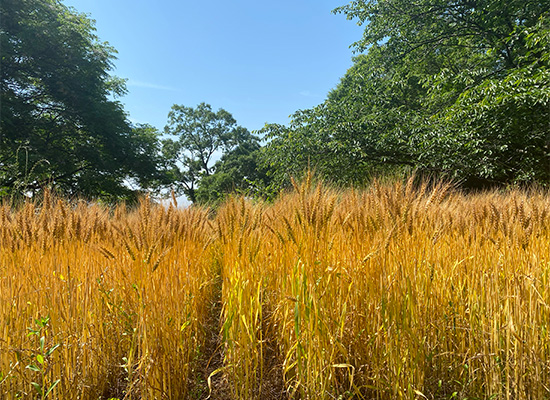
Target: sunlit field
[400, 291]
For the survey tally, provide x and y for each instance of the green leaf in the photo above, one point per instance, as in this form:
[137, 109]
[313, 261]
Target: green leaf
[37, 387]
[33, 367]
[40, 358]
[185, 325]
[52, 349]
[51, 387]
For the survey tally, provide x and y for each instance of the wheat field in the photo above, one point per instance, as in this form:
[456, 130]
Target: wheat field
[404, 290]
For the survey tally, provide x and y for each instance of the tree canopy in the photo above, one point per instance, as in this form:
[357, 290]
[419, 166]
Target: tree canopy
[202, 136]
[60, 124]
[458, 88]
[454, 87]
[237, 171]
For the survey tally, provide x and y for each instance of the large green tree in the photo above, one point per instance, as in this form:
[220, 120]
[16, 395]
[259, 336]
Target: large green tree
[204, 135]
[60, 125]
[454, 87]
[237, 171]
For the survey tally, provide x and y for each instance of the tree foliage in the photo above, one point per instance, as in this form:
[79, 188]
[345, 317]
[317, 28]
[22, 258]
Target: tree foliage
[454, 87]
[59, 122]
[237, 171]
[202, 136]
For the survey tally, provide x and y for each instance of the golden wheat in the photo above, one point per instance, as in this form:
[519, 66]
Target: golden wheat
[404, 290]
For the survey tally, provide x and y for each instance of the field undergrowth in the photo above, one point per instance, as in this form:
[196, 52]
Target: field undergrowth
[405, 290]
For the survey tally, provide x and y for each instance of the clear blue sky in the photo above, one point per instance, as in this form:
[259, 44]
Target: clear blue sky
[259, 60]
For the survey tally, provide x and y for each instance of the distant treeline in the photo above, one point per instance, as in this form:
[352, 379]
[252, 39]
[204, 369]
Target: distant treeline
[455, 88]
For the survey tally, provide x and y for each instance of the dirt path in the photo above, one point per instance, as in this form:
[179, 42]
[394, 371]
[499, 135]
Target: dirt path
[210, 360]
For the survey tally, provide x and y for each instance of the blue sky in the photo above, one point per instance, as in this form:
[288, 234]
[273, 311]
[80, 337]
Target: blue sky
[259, 60]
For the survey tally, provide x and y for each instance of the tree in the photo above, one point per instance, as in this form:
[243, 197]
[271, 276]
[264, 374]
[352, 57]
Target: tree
[499, 130]
[202, 135]
[237, 171]
[361, 128]
[457, 87]
[59, 123]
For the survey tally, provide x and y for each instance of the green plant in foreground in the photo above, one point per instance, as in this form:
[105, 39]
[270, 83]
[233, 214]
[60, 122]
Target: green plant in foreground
[43, 388]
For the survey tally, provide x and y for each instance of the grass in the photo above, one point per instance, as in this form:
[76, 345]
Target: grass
[405, 290]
